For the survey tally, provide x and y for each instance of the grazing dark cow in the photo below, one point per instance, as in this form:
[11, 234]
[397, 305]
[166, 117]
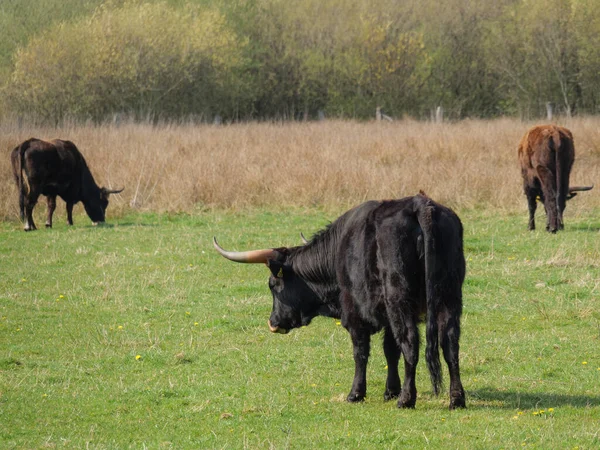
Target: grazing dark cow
[54, 168]
[546, 154]
[382, 265]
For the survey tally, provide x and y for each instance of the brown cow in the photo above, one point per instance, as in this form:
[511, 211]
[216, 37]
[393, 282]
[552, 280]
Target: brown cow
[546, 154]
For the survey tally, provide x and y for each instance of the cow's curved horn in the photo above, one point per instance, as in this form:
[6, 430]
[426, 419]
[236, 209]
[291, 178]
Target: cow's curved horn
[251, 256]
[580, 188]
[303, 238]
[113, 191]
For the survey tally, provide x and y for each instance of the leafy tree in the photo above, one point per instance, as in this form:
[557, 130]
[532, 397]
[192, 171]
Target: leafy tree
[140, 58]
[538, 60]
[586, 29]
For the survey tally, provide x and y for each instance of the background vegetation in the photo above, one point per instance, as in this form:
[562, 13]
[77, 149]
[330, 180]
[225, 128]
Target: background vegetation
[248, 59]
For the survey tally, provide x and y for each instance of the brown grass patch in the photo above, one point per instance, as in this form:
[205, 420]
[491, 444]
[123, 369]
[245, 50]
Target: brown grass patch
[332, 164]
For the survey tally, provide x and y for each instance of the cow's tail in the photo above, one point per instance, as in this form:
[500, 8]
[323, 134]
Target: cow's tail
[555, 143]
[19, 164]
[562, 145]
[425, 213]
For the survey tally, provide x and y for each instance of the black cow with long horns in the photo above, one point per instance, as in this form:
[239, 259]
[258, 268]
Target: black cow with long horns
[56, 168]
[382, 265]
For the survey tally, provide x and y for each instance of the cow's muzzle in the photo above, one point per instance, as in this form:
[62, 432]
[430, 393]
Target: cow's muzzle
[277, 329]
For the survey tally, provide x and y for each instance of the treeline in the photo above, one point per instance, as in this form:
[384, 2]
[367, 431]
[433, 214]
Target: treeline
[264, 59]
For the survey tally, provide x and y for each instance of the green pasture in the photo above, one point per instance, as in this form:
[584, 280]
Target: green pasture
[139, 335]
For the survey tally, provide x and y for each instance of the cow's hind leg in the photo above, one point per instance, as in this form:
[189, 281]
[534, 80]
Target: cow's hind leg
[392, 356]
[51, 199]
[403, 325]
[409, 345]
[22, 201]
[30, 201]
[449, 331]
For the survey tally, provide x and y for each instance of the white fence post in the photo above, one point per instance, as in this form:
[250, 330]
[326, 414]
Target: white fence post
[439, 114]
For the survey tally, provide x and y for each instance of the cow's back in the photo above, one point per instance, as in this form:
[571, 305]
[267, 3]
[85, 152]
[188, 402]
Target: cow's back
[404, 229]
[52, 166]
[539, 146]
[385, 250]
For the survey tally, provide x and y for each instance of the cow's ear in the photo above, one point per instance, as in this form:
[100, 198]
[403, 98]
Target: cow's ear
[276, 268]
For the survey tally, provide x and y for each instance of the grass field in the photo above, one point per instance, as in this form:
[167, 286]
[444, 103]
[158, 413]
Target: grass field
[138, 335]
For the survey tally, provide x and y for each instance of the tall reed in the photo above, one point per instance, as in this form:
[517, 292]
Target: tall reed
[330, 164]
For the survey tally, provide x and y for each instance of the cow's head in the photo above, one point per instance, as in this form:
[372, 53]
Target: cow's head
[294, 303]
[96, 210]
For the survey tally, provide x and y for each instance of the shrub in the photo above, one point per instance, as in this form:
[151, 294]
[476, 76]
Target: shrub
[138, 58]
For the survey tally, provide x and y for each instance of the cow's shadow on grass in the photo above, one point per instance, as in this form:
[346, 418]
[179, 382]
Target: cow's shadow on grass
[486, 398]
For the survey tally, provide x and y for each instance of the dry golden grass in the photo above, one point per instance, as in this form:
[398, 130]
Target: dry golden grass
[333, 164]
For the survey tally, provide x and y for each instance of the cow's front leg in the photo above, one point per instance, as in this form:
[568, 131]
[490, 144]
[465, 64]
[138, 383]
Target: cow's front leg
[70, 213]
[560, 207]
[51, 199]
[392, 356]
[361, 340]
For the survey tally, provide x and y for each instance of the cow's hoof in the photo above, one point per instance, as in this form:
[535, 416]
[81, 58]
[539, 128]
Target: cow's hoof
[406, 401]
[355, 398]
[48, 225]
[390, 395]
[457, 403]
[406, 405]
